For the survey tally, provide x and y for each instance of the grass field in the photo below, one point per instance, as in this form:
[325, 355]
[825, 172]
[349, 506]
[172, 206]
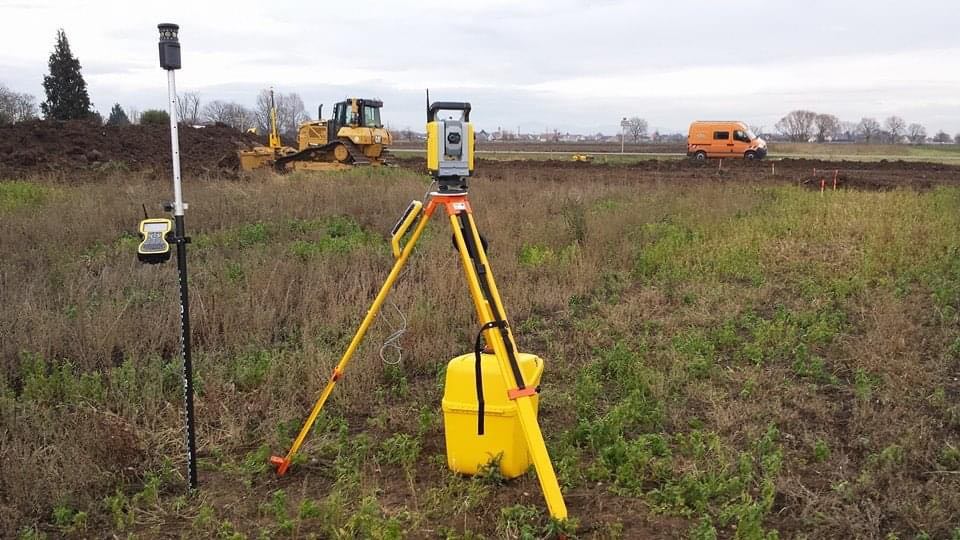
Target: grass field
[724, 360]
[943, 153]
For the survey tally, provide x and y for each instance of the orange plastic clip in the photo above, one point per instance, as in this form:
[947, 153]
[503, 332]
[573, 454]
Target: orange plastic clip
[521, 392]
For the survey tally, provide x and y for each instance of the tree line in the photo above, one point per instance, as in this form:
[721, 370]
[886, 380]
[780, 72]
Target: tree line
[804, 126]
[67, 99]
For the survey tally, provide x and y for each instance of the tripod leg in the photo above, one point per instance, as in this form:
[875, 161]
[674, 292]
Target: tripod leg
[283, 463]
[486, 299]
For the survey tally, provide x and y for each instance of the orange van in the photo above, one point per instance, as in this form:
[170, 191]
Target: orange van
[724, 139]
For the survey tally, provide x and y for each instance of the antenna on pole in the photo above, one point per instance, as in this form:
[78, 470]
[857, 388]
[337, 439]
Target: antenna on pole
[428, 105]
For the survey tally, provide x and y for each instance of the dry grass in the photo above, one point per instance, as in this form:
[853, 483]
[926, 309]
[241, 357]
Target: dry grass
[723, 360]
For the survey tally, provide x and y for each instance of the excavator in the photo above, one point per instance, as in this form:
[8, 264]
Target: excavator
[354, 136]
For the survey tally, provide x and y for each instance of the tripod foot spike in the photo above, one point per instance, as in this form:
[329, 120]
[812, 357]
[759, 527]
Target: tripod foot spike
[282, 464]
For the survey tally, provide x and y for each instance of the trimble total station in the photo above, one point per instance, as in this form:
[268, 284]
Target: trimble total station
[450, 146]
[490, 395]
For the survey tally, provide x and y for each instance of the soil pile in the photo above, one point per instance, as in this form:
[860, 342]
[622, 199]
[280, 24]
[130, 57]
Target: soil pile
[79, 147]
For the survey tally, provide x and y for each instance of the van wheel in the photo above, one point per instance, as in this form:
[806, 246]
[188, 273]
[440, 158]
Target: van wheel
[751, 155]
[700, 156]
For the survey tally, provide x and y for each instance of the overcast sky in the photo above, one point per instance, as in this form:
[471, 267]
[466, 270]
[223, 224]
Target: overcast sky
[571, 65]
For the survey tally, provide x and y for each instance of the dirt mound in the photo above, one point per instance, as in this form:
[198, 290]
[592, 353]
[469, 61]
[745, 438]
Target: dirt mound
[82, 147]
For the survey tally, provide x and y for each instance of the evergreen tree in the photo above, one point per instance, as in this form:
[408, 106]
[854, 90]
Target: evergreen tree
[66, 90]
[118, 117]
[154, 117]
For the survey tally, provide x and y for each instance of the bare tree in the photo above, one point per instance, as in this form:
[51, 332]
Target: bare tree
[917, 133]
[134, 115]
[869, 128]
[797, 125]
[942, 137]
[230, 114]
[956, 138]
[636, 127]
[215, 112]
[847, 130]
[16, 107]
[188, 107]
[827, 127]
[896, 127]
[290, 112]
[244, 118]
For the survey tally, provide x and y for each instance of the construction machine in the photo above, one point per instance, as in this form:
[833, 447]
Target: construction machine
[262, 156]
[353, 136]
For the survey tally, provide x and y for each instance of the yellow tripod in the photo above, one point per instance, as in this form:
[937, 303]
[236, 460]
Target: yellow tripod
[490, 312]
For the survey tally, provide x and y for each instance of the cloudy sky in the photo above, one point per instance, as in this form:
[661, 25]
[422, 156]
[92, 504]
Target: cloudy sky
[571, 65]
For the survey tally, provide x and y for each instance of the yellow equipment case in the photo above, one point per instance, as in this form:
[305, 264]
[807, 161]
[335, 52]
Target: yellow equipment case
[468, 451]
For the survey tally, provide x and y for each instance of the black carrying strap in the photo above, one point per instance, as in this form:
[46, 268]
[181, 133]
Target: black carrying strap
[478, 371]
[467, 231]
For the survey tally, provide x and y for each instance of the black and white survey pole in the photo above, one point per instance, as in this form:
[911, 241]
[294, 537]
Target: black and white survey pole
[170, 61]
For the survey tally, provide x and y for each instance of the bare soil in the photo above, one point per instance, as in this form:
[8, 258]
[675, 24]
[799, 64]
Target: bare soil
[876, 176]
[79, 148]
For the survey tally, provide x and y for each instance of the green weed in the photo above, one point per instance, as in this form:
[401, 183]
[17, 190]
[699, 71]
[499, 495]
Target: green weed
[536, 255]
[309, 509]
[400, 449]
[575, 219]
[206, 517]
[949, 458]
[45, 382]
[489, 472]
[250, 369]
[31, 533]
[369, 522]
[18, 194]
[519, 522]
[864, 384]
[235, 273]
[251, 234]
[821, 451]
[120, 510]
[62, 516]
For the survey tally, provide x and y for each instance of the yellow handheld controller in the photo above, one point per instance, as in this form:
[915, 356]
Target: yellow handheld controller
[154, 247]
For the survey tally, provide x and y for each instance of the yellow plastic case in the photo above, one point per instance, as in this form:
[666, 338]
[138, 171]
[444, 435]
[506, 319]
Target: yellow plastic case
[467, 452]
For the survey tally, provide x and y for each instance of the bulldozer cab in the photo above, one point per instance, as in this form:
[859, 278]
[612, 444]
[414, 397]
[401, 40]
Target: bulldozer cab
[357, 112]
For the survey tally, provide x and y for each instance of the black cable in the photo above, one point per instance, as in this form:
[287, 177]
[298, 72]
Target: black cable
[478, 371]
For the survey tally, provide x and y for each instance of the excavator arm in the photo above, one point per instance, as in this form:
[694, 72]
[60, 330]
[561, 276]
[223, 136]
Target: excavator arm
[274, 132]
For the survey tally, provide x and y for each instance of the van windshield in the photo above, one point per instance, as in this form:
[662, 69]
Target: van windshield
[751, 135]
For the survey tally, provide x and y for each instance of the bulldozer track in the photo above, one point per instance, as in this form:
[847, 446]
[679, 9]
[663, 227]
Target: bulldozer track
[387, 158]
[355, 153]
[311, 154]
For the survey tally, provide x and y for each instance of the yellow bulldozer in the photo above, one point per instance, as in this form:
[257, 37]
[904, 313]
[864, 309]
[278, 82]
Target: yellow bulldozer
[354, 136]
